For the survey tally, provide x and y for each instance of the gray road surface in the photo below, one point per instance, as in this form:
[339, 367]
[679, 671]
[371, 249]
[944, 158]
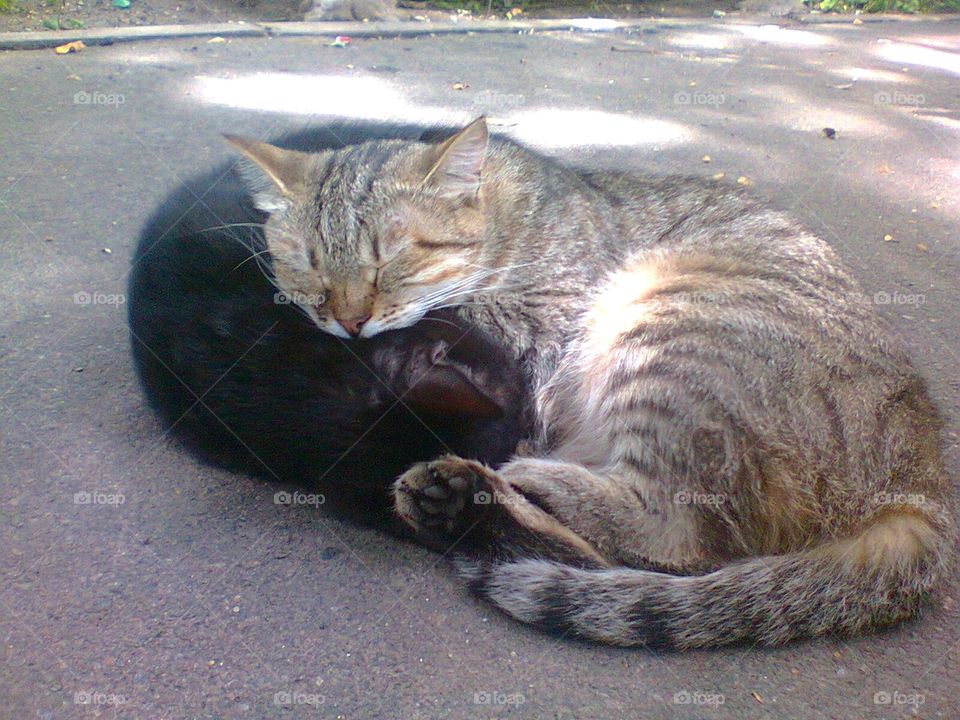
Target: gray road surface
[197, 596]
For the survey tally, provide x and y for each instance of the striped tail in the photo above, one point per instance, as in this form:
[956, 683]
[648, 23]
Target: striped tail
[876, 578]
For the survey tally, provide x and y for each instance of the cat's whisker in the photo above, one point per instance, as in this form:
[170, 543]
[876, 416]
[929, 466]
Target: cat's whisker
[441, 294]
[505, 268]
[252, 257]
[446, 297]
[227, 226]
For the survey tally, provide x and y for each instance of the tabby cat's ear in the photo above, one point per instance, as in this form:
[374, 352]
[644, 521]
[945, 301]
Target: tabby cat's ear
[458, 162]
[285, 171]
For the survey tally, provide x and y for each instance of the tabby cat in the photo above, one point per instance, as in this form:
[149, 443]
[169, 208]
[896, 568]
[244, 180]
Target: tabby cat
[730, 444]
[248, 382]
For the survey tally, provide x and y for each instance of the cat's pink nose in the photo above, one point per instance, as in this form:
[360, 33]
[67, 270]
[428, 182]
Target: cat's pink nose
[354, 325]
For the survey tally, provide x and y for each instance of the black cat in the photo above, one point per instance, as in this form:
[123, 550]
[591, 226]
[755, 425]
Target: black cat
[249, 383]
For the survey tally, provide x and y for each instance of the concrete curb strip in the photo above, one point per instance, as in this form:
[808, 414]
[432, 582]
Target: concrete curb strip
[108, 36]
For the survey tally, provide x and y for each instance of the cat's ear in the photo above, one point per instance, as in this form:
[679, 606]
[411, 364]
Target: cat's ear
[445, 390]
[283, 175]
[458, 163]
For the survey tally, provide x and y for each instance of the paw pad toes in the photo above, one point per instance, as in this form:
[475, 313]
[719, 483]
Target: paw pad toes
[460, 484]
[436, 492]
[429, 506]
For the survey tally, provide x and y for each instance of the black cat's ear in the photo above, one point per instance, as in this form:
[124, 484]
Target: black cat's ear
[283, 176]
[445, 390]
[458, 162]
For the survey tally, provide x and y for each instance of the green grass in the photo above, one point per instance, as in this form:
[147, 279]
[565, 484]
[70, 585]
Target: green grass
[502, 6]
[905, 6]
[478, 6]
[872, 6]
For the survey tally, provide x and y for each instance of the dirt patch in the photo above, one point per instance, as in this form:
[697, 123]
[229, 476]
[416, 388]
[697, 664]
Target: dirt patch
[70, 14]
[41, 15]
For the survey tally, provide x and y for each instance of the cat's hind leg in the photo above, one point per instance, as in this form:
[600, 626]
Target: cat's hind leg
[629, 520]
[535, 507]
[469, 507]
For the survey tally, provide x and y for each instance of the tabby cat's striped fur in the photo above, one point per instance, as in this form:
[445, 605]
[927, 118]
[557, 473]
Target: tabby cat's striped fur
[732, 445]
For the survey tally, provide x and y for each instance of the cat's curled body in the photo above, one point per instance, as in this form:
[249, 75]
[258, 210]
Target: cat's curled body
[731, 444]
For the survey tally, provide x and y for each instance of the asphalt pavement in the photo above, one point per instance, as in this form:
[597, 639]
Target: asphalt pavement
[138, 583]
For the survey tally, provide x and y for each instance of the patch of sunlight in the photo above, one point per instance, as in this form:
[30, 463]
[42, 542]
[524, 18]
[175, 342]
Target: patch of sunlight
[781, 36]
[870, 75]
[134, 54]
[847, 124]
[705, 41]
[595, 24]
[372, 98]
[909, 54]
[950, 43]
[942, 118]
[574, 128]
[356, 97]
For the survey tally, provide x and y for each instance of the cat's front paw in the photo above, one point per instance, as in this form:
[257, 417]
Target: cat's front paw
[448, 495]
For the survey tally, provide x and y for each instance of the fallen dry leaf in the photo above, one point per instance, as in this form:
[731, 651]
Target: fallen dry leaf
[459, 86]
[922, 247]
[757, 696]
[75, 46]
[707, 159]
[744, 180]
[719, 176]
[216, 39]
[884, 170]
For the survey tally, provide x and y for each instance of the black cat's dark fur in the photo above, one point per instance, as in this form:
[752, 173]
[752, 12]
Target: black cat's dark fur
[249, 383]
